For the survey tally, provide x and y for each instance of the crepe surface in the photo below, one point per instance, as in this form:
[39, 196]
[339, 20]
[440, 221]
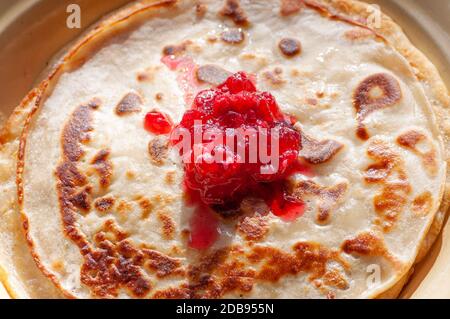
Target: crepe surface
[102, 219]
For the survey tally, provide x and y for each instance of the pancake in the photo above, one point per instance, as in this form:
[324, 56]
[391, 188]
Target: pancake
[18, 272]
[101, 200]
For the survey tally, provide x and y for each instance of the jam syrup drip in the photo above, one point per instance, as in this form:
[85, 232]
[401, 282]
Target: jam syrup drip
[219, 186]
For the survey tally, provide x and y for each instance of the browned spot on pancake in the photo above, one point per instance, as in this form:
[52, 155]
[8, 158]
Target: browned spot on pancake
[259, 59]
[103, 271]
[365, 244]
[149, 74]
[234, 269]
[70, 179]
[168, 225]
[146, 207]
[253, 228]
[82, 200]
[200, 10]
[376, 92]
[388, 170]
[113, 265]
[176, 250]
[214, 276]
[318, 152]
[185, 234]
[411, 139]
[130, 103]
[163, 265]
[212, 74]
[103, 167]
[331, 295]
[176, 49]
[104, 204]
[158, 150]
[111, 227]
[253, 224]
[358, 34]
[368, 244]
[170, 178]
[333, 278]
[312, 101]
[290, 47]
[159, 97]
[335, 95]
[296, 72]
[422, 204]
[137, 197]
[110, 265]
[25, 225]
[328, 198]
[124, 207]
[76, 131]
[233, 36]
[94, 103]
[233, 10]
[289, 7]
[58, 266]
[386, 162]
[172, 293]
[162, 200]
[275, 77]
[143, 77]
[70, 176]
[390, 203]
[236, 279]
[311, 258]
[130, 175]
[212, 39]
[208, 263]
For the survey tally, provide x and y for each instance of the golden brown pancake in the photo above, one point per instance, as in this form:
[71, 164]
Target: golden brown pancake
[101, 204]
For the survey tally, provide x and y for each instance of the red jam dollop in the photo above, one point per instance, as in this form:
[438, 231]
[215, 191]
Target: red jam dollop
[204, 228]
[158, 123]
[220, 112]
[285, 206]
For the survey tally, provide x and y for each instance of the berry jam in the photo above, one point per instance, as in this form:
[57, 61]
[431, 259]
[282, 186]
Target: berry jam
[158, 123]
[221, 174]
[285, 206]
[204, 227]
